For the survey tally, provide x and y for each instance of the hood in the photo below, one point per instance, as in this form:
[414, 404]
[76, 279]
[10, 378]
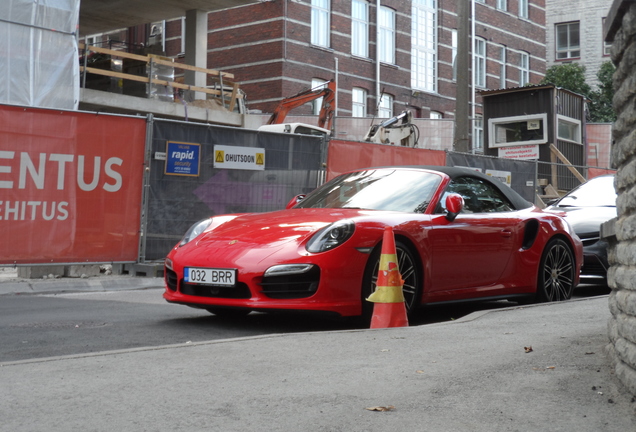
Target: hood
[275, 228]
[584, 220]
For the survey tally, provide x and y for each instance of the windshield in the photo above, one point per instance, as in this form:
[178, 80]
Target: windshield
[390, 189]
[598, 192]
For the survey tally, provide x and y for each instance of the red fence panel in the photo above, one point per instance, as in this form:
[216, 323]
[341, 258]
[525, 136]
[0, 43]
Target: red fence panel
[70, 186]
[345, 156]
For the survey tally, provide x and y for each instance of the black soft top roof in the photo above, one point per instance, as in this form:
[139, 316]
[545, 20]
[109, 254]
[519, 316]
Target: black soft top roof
[454, 172]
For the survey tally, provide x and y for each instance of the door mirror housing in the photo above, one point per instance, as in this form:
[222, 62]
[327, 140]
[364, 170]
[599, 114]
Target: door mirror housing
[295, 200]
[454, 206]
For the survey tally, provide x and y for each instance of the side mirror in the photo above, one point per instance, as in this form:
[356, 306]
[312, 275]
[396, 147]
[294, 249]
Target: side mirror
[454, 206]
[295, 200]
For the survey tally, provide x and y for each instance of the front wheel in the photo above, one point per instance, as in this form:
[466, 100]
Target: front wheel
[556, 272]
[411, 274]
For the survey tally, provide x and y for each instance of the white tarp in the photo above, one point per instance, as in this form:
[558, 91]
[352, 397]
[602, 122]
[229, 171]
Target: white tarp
[39, 64]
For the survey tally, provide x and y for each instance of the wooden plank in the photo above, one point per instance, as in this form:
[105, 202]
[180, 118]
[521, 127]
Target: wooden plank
[114, 53]
[193, 68]
[156, 60]
[233, 97]
[553, 170]
[567, 163]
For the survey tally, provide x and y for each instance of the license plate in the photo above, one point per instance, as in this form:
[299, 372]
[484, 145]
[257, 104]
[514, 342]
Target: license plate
[210, 276]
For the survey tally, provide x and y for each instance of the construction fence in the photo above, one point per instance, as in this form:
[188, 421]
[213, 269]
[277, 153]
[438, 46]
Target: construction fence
[78, 188]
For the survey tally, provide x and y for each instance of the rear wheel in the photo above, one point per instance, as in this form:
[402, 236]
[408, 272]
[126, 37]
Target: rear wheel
[556, 272]
[411, 274]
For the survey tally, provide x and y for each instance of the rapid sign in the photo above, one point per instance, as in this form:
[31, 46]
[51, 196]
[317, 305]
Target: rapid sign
[183, 158]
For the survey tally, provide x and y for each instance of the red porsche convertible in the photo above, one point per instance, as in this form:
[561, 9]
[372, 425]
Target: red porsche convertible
[460, 235]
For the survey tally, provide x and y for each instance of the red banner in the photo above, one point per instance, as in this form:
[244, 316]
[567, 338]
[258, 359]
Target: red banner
[348, 155]
[70, 186]
[595, 172]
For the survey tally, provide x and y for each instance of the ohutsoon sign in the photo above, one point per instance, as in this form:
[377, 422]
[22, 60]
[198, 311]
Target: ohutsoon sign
[231, 157]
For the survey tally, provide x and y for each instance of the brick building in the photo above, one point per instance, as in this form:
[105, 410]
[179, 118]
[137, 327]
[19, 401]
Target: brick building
[278, 48]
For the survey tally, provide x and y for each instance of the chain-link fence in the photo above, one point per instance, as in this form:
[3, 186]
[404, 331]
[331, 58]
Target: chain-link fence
[173, 202]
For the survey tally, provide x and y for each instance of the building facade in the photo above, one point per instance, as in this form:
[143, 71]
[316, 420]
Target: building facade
[386, 56]
[574, 34]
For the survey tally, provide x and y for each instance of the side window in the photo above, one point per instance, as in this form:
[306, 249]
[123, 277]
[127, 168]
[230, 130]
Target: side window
[479, 196]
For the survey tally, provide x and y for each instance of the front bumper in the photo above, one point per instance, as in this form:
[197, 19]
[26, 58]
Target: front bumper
[326, 288]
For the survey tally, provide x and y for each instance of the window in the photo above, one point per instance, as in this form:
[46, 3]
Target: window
[360, 28]
[518, 130]
[502, 5]
[387, 35]
[454, 52]
[479, 196]
[502, 67]
[524, 69]
[358, 102]
[480, 62]
[424, 45]
[568, 129]
[320, 10]
[523, 9]
[385, 110]
[567, 41]
[478, 134]
[317, 84]
[436, 115]
[607, 46]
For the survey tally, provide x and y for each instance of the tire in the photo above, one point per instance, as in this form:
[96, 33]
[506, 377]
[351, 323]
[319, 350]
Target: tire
[228, 313]
[555, 281]
[411, 274]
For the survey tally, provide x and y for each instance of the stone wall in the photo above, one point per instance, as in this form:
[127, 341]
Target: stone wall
[622, 253]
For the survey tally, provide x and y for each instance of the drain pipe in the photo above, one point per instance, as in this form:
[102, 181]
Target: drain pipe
[472, 54]
[377, 58]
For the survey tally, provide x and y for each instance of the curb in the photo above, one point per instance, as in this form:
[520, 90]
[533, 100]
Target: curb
[70, 285]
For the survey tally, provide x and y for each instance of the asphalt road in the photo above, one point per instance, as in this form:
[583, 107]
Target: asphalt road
[38, 326]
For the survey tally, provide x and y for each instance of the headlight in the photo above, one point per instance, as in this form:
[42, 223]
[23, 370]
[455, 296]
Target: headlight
[195, 230]
[331, 236]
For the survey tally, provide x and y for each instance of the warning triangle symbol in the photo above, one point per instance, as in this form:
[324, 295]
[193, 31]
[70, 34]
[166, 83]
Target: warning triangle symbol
[219, 156]
[259, 158]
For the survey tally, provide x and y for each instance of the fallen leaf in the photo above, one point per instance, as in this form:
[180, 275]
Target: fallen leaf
[419, 371]
[382, 408]
[528, 349]
[550, 367]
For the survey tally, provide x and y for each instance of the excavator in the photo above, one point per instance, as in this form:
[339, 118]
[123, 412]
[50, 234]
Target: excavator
[398, 130]
[327, 92]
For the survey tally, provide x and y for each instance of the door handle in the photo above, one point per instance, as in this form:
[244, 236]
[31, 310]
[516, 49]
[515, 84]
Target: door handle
[506, 233]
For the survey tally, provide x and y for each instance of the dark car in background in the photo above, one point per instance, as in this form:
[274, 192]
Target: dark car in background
[586, 208]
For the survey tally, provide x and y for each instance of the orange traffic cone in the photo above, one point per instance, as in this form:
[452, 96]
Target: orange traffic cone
[388, 309]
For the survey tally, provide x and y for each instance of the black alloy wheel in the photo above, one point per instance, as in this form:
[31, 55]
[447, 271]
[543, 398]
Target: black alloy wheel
[411, 275]
[556, 272]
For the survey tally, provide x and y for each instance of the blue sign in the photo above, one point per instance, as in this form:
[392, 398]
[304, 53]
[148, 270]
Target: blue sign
[183, 158]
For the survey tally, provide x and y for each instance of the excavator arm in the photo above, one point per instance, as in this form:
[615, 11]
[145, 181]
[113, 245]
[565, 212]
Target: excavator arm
[328, 95]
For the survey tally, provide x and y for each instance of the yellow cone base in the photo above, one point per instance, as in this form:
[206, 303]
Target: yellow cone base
[387, 315]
